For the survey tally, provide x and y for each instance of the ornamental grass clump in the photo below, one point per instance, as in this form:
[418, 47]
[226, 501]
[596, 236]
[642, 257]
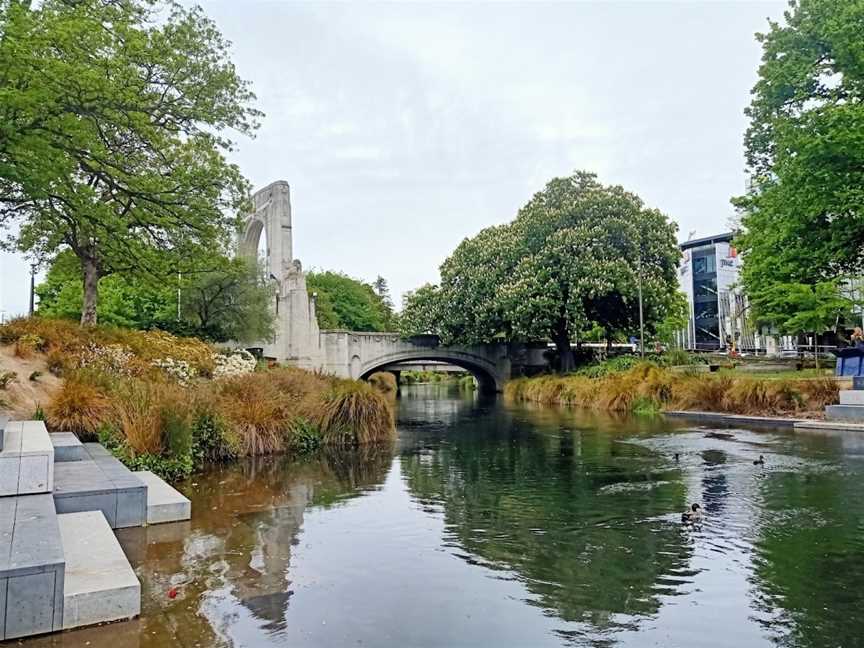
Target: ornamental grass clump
[354, 413]
[79, 406]
[647, 386]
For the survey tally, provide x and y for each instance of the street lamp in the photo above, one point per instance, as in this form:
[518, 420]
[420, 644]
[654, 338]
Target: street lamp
[32, 287]
[641, 318]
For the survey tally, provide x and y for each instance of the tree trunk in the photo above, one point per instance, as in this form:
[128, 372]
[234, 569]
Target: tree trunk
[90, 269]
[561, 338]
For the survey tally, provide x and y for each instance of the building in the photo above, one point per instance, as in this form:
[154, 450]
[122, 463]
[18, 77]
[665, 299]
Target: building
[708, 276]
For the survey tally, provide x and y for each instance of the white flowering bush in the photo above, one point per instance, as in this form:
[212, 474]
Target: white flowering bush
[234, 363]
[179, 370]
[114, 358]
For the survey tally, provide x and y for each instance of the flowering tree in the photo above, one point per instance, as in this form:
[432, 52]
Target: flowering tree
[572, 260]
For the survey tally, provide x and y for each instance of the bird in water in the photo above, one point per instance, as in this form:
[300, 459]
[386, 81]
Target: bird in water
[760, 461]
[676, 457]
[693, 514]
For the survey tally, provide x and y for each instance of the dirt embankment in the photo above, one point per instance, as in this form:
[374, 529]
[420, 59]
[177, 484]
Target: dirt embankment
[23, 396]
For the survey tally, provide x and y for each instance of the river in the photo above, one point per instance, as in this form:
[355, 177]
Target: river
[490, 524]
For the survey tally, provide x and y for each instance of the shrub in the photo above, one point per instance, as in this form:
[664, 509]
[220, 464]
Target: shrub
[78, 406]
[27, 345]
[212, 439]
[305, 437]
[138, 414]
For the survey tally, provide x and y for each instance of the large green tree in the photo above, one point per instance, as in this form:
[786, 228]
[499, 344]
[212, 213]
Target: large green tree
[803, 219]
[346, 303]
[115, 114]
[225, 299]
[574, 259]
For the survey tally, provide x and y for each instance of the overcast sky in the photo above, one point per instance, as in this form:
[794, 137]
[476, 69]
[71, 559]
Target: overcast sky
[403, 128]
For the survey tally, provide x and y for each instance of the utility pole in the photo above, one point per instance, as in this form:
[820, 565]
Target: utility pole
[641, 318]
[32, 287]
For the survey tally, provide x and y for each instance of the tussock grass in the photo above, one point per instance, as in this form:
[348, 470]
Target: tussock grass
[79, 406]
[646, 385]
[354, 413]
[384, 381]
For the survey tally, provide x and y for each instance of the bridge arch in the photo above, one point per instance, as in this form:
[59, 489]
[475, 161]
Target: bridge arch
[486, 372]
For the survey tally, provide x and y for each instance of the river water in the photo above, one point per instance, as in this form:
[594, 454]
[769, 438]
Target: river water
[489, 524]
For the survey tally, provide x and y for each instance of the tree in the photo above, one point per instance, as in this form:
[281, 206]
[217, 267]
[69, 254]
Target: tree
[804, 219]
[421, 311]
[382, 289]
[796, 308]
[227, 301]
[114, 145]
[128, 302]
[570, 262]
[346, 303]
[230, 301]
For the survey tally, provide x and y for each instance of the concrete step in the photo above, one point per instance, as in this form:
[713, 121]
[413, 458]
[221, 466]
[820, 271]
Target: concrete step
[164, 503]
[32, 567]
[26, 460]
[100, 585]
[101, 483]
[67, 447]
[850, 413]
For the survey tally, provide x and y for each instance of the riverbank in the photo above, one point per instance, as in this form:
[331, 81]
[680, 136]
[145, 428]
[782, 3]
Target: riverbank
[167, 404]
[650, 388]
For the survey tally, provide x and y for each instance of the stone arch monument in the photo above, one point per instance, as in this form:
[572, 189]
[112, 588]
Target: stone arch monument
[296, 338]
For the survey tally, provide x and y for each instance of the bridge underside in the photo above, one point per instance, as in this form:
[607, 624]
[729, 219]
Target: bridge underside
[489, 378]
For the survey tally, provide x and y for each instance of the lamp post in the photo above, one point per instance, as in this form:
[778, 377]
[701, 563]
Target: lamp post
[641, 318]
[32, 287]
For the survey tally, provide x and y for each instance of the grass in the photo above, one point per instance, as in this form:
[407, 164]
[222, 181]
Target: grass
[384, 381]
[648, 387]
[157, 420]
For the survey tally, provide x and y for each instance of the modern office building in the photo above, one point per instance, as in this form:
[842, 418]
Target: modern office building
[708, 276]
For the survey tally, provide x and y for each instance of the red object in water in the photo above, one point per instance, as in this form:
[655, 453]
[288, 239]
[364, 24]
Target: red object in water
[172, 593]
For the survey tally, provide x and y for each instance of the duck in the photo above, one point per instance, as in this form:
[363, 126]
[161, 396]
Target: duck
[693, 514]
[760, 461]
[676, 457]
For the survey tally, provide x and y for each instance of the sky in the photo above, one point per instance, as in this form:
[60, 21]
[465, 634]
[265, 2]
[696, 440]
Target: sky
[403, 128]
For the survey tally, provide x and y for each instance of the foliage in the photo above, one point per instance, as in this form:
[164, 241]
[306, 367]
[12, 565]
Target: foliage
[305, 437]
[224, 299]
[109, 144]
[421, 311]
[347, 303]
[382, 289]
[572, 260]
[801, 308]
[647, 387]
[804, 218]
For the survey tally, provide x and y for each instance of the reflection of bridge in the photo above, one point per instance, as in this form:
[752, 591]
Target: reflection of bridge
[299, 342]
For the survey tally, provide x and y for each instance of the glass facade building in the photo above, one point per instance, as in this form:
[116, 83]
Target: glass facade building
[708, 276]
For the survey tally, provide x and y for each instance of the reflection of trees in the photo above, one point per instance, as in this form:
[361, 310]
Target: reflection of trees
[811, 556]
[570, 513]
[236, 552]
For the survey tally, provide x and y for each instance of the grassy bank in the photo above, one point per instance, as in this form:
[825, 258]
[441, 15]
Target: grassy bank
[648, 387]
[169, 404]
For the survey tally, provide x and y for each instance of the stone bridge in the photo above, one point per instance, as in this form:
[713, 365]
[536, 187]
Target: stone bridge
[299, 342]
[359, 355]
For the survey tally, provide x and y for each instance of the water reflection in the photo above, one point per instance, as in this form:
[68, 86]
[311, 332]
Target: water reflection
[510, 526]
